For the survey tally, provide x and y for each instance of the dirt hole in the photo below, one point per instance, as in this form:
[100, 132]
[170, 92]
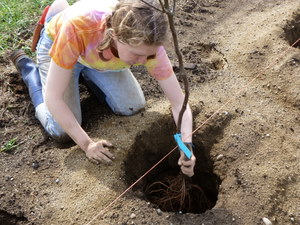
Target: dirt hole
[204, 55]
[292, 31]
[163, 185]
[10, 219]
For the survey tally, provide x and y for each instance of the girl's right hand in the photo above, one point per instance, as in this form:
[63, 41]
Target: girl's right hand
[98, 152]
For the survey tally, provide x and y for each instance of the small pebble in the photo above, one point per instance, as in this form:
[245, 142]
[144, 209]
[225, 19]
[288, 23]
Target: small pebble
[132, 216]
[35, 165]
[159, 212]
[57, 181]
[266, 221]
[219, 157]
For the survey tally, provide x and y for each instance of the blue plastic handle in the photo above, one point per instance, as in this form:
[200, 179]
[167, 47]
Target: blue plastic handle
[182, 146]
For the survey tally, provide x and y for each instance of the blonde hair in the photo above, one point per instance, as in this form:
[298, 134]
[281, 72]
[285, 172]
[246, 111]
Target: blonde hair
[133, 22]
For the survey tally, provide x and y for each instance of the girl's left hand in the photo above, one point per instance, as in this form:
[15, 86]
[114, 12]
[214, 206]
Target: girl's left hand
[99, 152]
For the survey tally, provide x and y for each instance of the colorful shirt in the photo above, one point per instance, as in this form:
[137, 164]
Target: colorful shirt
[78, 30]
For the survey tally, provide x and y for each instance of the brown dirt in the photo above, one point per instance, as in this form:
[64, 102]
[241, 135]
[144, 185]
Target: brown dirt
[250, 147]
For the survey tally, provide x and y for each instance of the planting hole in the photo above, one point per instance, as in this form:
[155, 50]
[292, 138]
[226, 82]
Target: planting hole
[165, 186]
[292, 31]
[10, 219]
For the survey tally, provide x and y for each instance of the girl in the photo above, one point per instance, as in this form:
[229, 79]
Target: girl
[100, 40]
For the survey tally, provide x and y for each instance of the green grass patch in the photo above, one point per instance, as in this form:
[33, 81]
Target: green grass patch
[8, 146]
[17, 22]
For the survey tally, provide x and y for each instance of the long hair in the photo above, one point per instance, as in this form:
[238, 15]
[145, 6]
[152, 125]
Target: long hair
[133, 22]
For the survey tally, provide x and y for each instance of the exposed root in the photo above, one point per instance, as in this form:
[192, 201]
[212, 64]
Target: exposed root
[178, 193]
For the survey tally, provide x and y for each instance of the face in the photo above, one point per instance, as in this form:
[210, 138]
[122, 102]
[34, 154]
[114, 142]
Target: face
[134, 55]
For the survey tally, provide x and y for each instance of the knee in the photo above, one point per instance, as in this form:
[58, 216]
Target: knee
[61, 138]
[50, 125]
[129, 111]
[127, 107]
[57, 133]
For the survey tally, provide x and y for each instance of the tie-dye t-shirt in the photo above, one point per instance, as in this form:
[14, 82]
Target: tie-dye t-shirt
[77, 31]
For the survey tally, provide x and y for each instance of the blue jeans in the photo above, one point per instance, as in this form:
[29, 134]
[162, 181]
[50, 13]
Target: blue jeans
[120, 90]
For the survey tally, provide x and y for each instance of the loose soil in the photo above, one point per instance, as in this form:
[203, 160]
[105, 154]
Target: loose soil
[245, 96]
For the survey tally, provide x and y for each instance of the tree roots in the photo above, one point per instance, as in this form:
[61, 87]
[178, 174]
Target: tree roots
[178, 193]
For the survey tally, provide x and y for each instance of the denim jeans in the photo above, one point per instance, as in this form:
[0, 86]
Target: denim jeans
[120, 90]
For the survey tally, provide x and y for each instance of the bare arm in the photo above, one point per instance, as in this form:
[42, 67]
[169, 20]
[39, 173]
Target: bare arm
[57, 82]
[174, 93]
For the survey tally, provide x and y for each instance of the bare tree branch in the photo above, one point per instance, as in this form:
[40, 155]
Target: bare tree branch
[182, 74]
[174, 6]
[162, 5]
[152, 6]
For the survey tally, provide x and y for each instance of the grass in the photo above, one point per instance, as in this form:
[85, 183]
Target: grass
[17, 20]
[11, 144]
[16, 23]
